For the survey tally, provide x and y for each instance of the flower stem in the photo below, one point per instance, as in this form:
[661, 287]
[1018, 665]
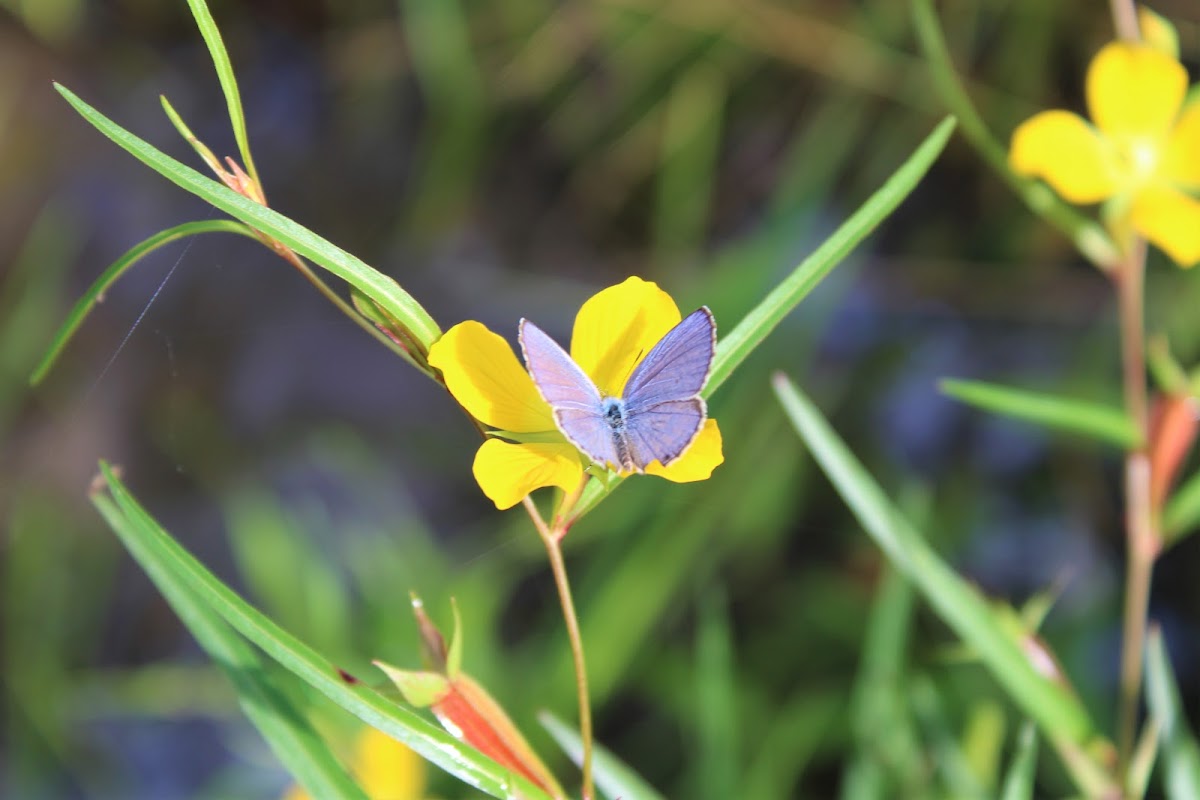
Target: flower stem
[1140, 523]
[1125, 19]
[552, 539]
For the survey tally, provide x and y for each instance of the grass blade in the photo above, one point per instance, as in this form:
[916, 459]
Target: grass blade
[614, 778]
[288, 733]
[1182, 513]
[1089, 419]
[1055, 708]
[716, 700]
[1019, 780]
[114, 272]
[368, 280]
[402, 724]
[233, 98]
[1180, 752]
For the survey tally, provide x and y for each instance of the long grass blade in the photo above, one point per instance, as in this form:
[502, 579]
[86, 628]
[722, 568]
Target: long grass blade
[1179, 750]
[1019, 780]
[615, 779]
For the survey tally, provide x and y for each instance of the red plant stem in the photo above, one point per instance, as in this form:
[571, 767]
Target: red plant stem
[552, 539]
[1140, 526]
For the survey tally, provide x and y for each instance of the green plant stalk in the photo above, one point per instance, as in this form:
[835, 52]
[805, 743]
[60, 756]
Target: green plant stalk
[1141, 526]
[552, 539]
[1088, 237]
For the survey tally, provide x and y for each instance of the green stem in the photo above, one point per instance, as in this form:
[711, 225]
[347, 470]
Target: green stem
[1140, 526]
[1089, 238]
[552, 539]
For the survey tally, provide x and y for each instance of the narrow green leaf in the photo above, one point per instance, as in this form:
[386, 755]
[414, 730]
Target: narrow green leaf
[1019, 780]
[1180, 752]
[1089, 238]
[717, 754]
[288, 733]
[430, 742]
[1082, 417]
[961, 606]
[1182, 513]
[114, 272]
[949, 760]
[371, 282]
[614, 778]
[735, 346]
[233, 98]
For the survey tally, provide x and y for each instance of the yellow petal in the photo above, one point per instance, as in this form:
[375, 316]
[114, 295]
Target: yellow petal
[1171, 220]
[698, 461]
[485, 377]
[1158, 32]
[1182, 161]
[507, 472]
[616, 327]
[387, 769]
[1135, 91]
[1062, 149]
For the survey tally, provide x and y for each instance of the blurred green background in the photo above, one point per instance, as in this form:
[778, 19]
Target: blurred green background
[508, 159]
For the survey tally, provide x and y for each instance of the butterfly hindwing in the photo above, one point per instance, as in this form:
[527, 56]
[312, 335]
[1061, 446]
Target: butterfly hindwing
[662, 432]
[571, 394]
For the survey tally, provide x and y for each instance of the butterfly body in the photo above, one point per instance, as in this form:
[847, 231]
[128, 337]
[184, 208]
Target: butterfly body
[658, 416]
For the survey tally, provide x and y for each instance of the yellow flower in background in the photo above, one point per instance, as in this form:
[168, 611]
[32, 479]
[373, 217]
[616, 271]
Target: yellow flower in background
[383, 767]
[1141, 153]
[613, 331]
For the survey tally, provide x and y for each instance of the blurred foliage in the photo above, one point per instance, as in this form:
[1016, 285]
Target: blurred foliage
[504, 160]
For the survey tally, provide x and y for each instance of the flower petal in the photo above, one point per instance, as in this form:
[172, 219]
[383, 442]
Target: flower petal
[485, 377]
[507, 472]
[1062, 149]
[616, 327]
[698, 461]
[1134, 90]
[1171, 220]
[386, 768]
[1181, 164]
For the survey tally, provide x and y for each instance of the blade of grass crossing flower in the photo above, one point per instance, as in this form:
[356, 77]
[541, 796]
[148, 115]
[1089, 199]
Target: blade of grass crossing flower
[1181, 516]
[1089, 238]
[716, 705]
[1088, 419]
[967, 613]
[429, 741]
[1019, 779]
[1180, 752]
[615, 779]
[114, 272]
[288, 733]
[736, 345]
[371, 282]
[233, 98]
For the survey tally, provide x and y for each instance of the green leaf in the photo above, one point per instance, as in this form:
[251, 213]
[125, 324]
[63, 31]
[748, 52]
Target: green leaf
[110, 276]
[1180, 752]
[372, 283]
[288, 733]
[1181, 515]
[181, 568]
[950, 761]
[1089, 238]
[957, 602]
[735, 346]
[614, 778]
[233, 98]
[1019, 780]
[716, 701]
[1089, 419]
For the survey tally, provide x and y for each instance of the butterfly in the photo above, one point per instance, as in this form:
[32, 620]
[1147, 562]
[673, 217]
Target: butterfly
[661, 412]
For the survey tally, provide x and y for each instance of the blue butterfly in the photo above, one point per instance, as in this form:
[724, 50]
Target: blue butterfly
[659, 416]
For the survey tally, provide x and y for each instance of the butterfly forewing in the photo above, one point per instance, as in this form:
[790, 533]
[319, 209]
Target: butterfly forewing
[677, 367]
[571, 394]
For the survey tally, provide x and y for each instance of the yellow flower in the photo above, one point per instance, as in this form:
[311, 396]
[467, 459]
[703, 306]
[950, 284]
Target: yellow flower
[383, 767]
[613, 331]
[1142, 153]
